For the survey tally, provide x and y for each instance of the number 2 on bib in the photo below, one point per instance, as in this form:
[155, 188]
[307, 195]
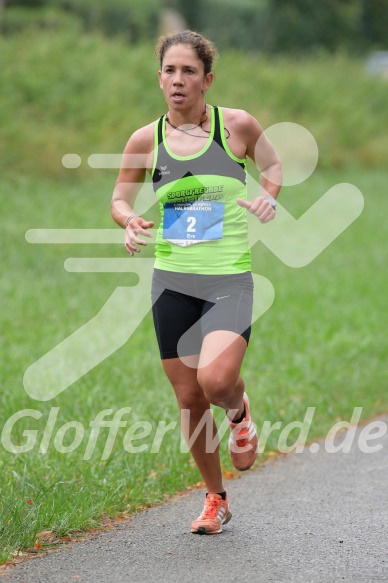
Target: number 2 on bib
[191, 221]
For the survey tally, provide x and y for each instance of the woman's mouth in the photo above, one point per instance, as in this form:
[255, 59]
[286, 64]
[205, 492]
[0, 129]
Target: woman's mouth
[178, 97]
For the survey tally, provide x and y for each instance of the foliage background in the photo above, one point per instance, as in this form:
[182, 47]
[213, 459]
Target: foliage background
[270, 25]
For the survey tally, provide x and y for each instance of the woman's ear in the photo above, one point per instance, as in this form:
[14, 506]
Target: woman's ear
[207, 81]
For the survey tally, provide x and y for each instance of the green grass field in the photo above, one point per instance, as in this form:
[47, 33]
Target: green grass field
[322, 344]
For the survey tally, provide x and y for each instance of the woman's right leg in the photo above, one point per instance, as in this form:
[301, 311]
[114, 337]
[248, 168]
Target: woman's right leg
[174, 314]
[194, 406]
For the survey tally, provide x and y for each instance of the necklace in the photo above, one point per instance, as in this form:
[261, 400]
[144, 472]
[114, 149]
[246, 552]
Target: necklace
[201, 121]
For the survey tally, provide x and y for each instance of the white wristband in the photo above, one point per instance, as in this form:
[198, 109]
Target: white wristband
[271, 200]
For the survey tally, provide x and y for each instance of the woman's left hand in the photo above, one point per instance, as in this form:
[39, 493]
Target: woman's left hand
[260, 207]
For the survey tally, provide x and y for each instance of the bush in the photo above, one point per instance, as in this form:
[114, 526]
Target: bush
[136, 20]
[65, 93]
[20, 19]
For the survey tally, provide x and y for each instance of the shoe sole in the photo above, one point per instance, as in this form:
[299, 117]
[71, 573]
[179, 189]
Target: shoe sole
[202, 529]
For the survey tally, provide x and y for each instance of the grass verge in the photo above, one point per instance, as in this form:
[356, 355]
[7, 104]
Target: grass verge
[322, 344]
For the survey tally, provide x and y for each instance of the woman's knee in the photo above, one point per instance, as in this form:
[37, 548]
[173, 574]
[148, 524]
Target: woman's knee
[183, 379]
[216, 385]
[193, 400]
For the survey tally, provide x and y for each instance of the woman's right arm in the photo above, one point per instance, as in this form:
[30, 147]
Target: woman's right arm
[129, 181]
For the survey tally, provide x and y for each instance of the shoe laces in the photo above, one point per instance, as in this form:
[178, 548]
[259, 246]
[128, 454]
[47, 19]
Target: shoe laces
[211, 507]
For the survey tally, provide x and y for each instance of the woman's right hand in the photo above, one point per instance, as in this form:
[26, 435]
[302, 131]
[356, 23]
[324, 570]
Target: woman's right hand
[136, 226]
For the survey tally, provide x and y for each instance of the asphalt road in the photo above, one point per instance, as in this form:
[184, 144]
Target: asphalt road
[303, 518]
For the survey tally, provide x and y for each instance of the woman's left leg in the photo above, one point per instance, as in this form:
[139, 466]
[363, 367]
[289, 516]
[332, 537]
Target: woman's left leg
[219, 368]
[218, 374]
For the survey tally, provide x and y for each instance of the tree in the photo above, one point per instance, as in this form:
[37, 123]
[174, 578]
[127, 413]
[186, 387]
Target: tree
[375, 22]
[305, 24]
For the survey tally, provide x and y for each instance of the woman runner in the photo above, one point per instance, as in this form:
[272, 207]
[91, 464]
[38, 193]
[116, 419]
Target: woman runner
[202, 287]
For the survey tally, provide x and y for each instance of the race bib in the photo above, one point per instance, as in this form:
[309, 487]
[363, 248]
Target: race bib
[188, 223]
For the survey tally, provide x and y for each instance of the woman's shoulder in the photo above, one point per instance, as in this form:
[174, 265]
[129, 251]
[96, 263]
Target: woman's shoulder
[142, 140]
[236, 116]
[242, 124]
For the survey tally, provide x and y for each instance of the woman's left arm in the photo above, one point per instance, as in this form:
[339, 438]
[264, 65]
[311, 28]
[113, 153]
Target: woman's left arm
[262, 152]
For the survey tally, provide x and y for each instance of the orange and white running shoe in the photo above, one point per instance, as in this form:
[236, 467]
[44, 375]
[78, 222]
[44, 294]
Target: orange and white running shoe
[243, 441]
[215, 513]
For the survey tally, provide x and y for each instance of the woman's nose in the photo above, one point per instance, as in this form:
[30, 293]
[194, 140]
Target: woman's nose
[177, 79]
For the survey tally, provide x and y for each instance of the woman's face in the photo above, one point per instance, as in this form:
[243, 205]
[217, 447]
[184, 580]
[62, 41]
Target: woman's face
[182, 77]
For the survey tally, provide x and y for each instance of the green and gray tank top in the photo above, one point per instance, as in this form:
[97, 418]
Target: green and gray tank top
[202, 230]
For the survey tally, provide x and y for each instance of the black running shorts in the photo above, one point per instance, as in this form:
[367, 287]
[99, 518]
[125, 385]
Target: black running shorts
[186, 307]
